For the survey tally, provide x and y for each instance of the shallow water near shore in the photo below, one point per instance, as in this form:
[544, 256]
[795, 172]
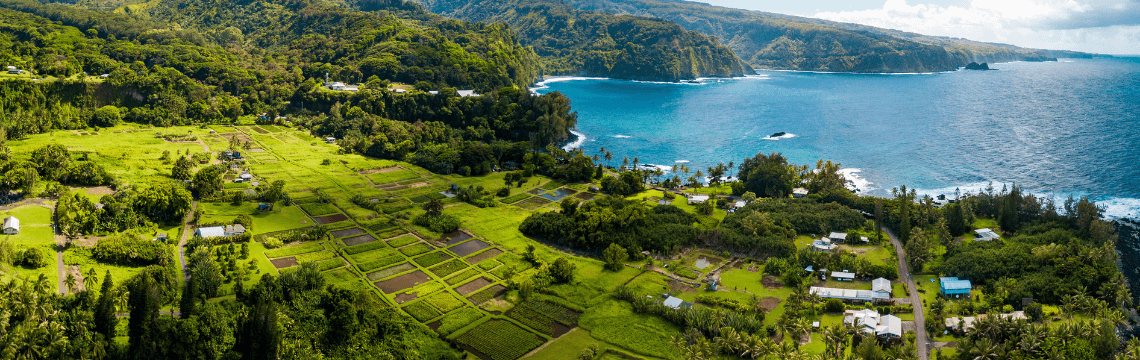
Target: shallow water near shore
[1056, 128]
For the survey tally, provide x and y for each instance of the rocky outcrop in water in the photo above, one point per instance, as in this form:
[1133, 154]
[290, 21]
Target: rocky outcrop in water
[977, 66]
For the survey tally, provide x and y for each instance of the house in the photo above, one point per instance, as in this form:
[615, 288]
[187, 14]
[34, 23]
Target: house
[234, 230]
[433, 92]
[160, 237]
[799, 192]
[823, 244]
[694, 199]
[952, 287]
[14, 70]
[890, 328]
[676, 303]
[339, 86]
[837, 237]
[986, 235]
[960, 325]
[843, 275]
[105, 76]
[869, 322]
[11, 225]
[330, 140]
[239, 180]
[849, 295]
[739, 204]
[864, 240]
[881, 289]
[247, 176]
[401, 91]
[210, 232]
[467, 93]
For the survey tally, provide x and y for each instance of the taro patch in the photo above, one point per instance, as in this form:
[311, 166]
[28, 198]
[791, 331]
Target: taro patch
[402, 282]
[469, 247]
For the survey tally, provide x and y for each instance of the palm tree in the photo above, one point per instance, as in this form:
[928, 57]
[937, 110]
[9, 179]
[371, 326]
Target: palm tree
[729, 339]
[984, 349]
[70, 282]
[91, 279]
[835, 337]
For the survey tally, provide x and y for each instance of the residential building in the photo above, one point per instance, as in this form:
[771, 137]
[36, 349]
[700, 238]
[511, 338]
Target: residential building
[467, 93]
[694, 199]
[837, 237]
[849, 295]
[986, 235]
[843, 275]
[869, 322]
[676, 303]
[234, 230]
[799, 192]
[210, 232]
[881, 289]
[11, 225]
[339, 86]
[330, 140]
[823, 244]
[952, 287]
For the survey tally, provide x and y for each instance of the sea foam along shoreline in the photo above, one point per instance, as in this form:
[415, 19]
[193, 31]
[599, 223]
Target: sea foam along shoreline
[542, 85]
[577, 143]
[1114, 207]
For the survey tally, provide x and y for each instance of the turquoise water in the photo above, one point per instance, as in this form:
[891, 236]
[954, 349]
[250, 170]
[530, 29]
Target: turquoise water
[1057, 128]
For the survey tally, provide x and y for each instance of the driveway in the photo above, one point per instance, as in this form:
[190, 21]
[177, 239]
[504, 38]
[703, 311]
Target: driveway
[920, 340]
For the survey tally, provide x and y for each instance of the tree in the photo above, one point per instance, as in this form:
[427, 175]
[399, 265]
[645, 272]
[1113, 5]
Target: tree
[878, 220]
[106, 116]
[70, 282]
[748, 196]
[238, 198]
[955, 219]
[615, 257]
[189, 299]
[182, 168]
[274, 192]
[207, 181]
[562, 270]
[769, 175]
[433, 207]
[143, 323]
[105, 320]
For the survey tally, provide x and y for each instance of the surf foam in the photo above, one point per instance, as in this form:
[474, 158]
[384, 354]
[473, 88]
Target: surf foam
[856, 182]
[785, 136]
[577, 143]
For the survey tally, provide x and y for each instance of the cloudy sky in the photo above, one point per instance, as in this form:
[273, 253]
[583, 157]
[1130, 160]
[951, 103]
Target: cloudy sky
[1100, 26]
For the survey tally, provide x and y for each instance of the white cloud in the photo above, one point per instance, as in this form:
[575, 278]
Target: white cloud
[1103, 26]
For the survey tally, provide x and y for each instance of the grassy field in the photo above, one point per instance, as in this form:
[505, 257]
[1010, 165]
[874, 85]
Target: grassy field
[283, 217]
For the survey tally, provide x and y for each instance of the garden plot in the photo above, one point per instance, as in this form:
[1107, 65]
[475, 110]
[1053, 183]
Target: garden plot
[324, 220]
[484, 256]
[402, 282]
[389, 271]
[284, 262]
[448, 268]
[413, 250]
[430, 260]
[463, 276]
[422, 311]
[584, 196]
[533, 203]
[392, 176]
[454, 238]
[401, 241]
[357, 240]
[469, 247]
[499, 340]
[347, 232]
[483, 296]
[472, 286]
[545, 317]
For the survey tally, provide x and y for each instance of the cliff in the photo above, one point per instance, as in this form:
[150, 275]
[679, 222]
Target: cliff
[589, 43]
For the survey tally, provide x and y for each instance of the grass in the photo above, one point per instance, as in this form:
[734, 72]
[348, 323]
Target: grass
[320, 209]
[295, 250]
[416, 249]
[282, 217]
[444, 301]
[402, 241]
[459, 319]
[614, 321]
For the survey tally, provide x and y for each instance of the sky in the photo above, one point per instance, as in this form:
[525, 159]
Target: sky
[1097, 26]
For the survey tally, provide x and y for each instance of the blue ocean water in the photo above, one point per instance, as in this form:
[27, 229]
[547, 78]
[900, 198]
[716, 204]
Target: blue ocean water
[1056, 128]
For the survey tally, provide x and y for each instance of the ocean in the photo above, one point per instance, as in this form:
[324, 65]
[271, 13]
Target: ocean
[1056, 128]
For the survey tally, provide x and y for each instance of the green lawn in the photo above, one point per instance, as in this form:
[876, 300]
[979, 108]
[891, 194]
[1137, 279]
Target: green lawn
[613, 321]
[282, 217]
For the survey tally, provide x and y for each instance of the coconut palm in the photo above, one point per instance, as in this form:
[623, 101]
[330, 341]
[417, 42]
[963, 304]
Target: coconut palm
[70, 282]
[91, 279]
[729, 340]
[836, 337]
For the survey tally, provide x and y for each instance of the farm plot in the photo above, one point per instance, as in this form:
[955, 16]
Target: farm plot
[472, 286]
[533, 203]
[432, 259]
[352, 250]
[389, 271]
[469, 247]
[463, 276]
[284, 262]
[457, 320]
[499, 340]
[485, 295]
[544, 317]
[319, 209]
[392, 176]
[484, 256]
[422, 311]
[515, 198]
[294, 250]
[379, 263]
[416, 249]
[454, 238]
[331, 219]
[359, 239]
[448, 268]
[403, 240]
[346, 232]
[444, 301]
[402, 282]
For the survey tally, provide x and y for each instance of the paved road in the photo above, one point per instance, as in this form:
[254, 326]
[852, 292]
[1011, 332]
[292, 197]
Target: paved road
[185, 235]
[915, 299]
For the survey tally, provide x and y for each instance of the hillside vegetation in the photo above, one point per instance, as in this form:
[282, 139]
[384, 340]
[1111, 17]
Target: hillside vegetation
[589, 43]
[778, 41]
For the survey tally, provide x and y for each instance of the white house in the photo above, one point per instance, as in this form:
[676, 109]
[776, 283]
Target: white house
[852, 295]
[881, 289]
[234, 230]
[14, 70]
[339, 86]
[870, 322]
[434, 92]
[799, 192]
[467, 93]
[823, 244]
[401, 91]
[843, 276]
[246, 176]
[330, 140]
[986, 235]
[694, 199]
[11, 225]
[210, 232]
[837, 237]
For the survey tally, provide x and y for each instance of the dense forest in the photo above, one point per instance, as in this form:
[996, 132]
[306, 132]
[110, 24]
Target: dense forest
[778, 41]
[588, 43]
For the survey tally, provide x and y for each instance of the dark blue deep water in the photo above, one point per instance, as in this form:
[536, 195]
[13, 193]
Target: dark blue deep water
[1056, 128]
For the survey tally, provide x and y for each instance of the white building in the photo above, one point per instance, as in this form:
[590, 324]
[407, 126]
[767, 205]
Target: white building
[234, 230]
[799, 192]
[850, 295]
[467, 93]
[11, 225]
[694, 199]
[843, 276]
[870, 322]
[986, 235]
[210, 232]
[823, 244]
[881, 289]
[837, 237]
[339, 86]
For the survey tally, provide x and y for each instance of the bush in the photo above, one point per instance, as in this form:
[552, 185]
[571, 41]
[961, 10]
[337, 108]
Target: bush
[834, 306]
[32, 258]
[504, 192]
[441, 223]
[130, 251]
[273, 243]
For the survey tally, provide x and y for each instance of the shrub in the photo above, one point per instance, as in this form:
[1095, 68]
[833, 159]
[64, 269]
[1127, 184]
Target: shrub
[31, 258]
[273, 243]
[834, 306]
[441, 223]
[130, 251]
[503, 192]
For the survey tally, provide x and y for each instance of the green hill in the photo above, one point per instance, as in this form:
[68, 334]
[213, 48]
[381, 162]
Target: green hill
[588, 43]
[776, 41]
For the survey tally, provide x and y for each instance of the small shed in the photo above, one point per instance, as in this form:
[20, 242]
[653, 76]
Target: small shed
[160, 237]
[11, 225]
[881, 289]
[673, 303]
[330, 139]
[837, 237]
[843, 275]
[986, 235]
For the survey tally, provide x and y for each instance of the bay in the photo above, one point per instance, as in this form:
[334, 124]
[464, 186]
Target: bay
[1056, 128]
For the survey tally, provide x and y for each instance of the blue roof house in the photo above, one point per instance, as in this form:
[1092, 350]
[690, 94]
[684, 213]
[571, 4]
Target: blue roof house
[954, 288]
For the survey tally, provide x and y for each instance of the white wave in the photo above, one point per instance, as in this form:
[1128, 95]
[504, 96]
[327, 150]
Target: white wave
[541, 85]
[1121, 208]
[857, 73]
[622, 136]
[577, 143]
[681, 161]
[856, 182]
[785, 136]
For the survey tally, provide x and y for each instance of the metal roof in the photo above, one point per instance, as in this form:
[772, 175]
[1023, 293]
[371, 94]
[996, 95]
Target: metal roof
[881, 284]
[210, 232]
[673, 302]
[12, 222]
[837, 235]
[842, 274]
[952, 283]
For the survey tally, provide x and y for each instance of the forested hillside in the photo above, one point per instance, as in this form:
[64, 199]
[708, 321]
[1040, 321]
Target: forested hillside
[778, 41]
[574, 42]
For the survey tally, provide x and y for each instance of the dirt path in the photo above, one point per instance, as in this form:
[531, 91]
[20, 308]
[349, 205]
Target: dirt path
[920, 340]
[182, 240]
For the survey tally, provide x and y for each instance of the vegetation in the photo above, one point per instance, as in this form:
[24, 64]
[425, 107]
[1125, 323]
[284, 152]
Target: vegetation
[500, 340]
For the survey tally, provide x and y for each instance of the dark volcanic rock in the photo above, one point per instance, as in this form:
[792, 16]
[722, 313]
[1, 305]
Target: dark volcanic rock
[976, 66]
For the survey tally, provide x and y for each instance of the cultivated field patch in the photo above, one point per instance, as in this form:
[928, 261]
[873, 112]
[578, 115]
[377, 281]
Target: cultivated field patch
[469, 247]
[389, 271]
[484, 256]
[545, 317]
[331, 219]
[346, 232]
[499, 340]
[472, 286]
[284, 262]
[400, 241]
[413, 250]
[402, 282]
[483, 296]
[454, 238]
[357, 240]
